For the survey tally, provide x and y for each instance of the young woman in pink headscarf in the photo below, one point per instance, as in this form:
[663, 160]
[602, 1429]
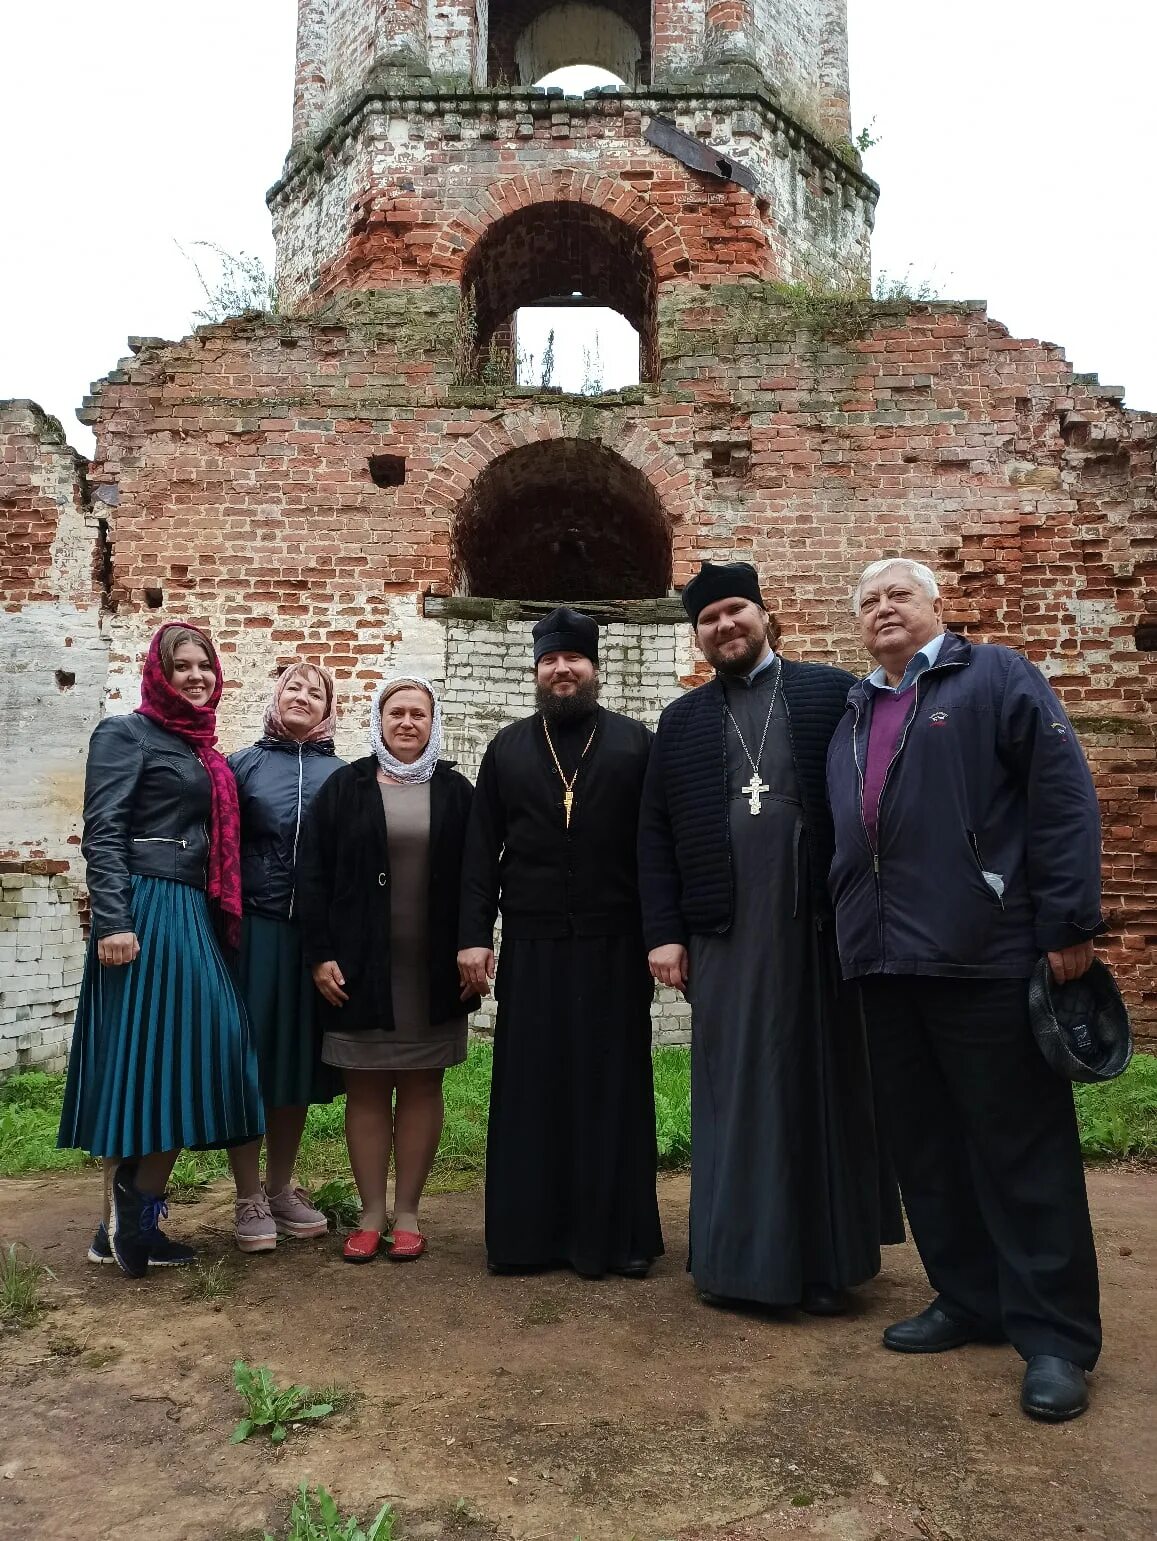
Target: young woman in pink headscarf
[277, 779]
[161, 1055]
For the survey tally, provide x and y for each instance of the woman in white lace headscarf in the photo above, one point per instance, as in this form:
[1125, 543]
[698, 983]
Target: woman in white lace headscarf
[378, 901]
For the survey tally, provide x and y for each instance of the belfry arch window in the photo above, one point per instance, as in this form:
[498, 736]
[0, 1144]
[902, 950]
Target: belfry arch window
[562, 520]
[532, 38]
[568, 257]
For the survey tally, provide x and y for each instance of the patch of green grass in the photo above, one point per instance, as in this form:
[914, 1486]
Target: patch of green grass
[29, 1117]
[673, 1105]
[32, 1089]
[192, 1173]
[1119, 1118]
[316, 1517]
[21, 1283]
[270, 1409]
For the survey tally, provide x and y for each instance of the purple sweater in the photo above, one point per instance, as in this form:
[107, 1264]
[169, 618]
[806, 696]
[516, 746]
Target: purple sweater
[889, 712]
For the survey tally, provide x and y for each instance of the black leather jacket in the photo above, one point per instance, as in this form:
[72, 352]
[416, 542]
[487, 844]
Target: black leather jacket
[147, 800]
[276, 782]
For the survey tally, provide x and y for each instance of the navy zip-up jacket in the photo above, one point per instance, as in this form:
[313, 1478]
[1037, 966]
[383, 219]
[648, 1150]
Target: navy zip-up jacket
[277, 779]
[988, 845]
[685, 881]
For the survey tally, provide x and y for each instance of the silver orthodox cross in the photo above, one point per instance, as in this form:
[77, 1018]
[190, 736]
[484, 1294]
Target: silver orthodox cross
[752, 790]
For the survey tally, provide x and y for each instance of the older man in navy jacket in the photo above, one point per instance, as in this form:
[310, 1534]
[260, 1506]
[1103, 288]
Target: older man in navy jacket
[968, 844]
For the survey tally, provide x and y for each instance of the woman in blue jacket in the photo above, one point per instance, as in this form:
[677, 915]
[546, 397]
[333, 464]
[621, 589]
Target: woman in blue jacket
[277, 779]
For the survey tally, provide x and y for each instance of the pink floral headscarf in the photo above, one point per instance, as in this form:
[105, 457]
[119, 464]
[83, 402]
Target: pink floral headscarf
[275, 728]
[197, 725]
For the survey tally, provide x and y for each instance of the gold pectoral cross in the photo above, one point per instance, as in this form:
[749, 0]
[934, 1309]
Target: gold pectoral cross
[752, 790]
[568, 786]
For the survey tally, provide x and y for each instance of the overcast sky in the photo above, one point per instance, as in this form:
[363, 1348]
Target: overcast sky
[1016, 154]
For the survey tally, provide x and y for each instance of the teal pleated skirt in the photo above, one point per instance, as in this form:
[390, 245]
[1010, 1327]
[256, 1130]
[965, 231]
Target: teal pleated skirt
[282, 1003]
[162, 1053]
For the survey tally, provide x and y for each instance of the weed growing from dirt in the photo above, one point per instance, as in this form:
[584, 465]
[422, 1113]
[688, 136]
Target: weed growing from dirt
[316, 1517]
[210, 1281]
[338, 1201]
[269, 1410]
[21, 1283]
[192, 1173]
[340, 1398]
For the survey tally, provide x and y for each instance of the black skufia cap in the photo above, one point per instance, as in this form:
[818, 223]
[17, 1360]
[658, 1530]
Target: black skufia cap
[566, 631]
[721, 580]
[1081, 1026]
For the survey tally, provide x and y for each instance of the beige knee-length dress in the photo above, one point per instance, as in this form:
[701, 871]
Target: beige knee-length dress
[415, 1043]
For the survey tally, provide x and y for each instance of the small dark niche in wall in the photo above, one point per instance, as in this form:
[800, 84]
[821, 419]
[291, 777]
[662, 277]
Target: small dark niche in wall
[154, 598]
[1145, 636]
[730, 459]
[387, 470]
[65, 679]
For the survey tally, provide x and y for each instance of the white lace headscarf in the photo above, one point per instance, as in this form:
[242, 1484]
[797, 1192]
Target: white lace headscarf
[423, 767]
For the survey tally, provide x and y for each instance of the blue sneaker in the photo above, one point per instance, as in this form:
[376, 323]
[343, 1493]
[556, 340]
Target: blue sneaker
[135, 1218]
[100, 1251]
[164, 1252]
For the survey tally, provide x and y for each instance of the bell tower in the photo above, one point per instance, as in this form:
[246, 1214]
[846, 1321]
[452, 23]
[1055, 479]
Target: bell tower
[419, 130]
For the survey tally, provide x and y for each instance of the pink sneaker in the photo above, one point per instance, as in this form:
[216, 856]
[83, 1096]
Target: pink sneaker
[294, 1215]
[253, 1224]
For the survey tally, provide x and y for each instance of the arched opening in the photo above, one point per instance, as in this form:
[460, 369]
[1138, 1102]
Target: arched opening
[531, 38]
[566, 256]
[562, 520]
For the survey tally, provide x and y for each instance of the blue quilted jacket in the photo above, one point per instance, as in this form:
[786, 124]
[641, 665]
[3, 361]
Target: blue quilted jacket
[684, 841]
[988, 846]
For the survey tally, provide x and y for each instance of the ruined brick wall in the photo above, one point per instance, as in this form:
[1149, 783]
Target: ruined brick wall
[794, 49]
[51, 687]
[403, 192]
[810, 436]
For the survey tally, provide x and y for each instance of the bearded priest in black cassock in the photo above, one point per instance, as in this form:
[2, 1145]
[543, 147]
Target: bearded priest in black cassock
[789, 1201]
[571, 1156]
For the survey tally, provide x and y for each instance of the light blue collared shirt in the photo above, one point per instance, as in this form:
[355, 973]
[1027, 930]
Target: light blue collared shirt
[920, 661]
[760, 667]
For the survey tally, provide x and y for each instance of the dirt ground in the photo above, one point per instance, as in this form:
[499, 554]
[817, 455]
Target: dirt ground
[549, 1408]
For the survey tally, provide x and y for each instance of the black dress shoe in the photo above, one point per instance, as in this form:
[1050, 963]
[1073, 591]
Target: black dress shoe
[1053, 1389]
[824, 1300]
[933, 1332]
[633, 1268]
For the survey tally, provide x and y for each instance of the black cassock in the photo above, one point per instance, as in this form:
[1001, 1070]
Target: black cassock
[570, 1162]
[785, 1182]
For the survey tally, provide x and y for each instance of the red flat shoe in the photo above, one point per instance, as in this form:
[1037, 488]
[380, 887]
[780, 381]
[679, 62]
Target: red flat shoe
[361, 1246]
[406, 1246]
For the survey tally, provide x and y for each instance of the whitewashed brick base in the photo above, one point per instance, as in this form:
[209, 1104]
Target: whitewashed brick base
[41, 960]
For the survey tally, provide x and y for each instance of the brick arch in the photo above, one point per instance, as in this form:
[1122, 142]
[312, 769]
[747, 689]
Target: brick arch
[561, 248]
[509, 21]
[630, 470]
[659, 237]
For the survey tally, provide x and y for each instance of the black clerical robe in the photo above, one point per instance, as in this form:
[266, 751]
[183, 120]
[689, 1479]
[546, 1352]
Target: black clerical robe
[570, 1166]
[787, 1189]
